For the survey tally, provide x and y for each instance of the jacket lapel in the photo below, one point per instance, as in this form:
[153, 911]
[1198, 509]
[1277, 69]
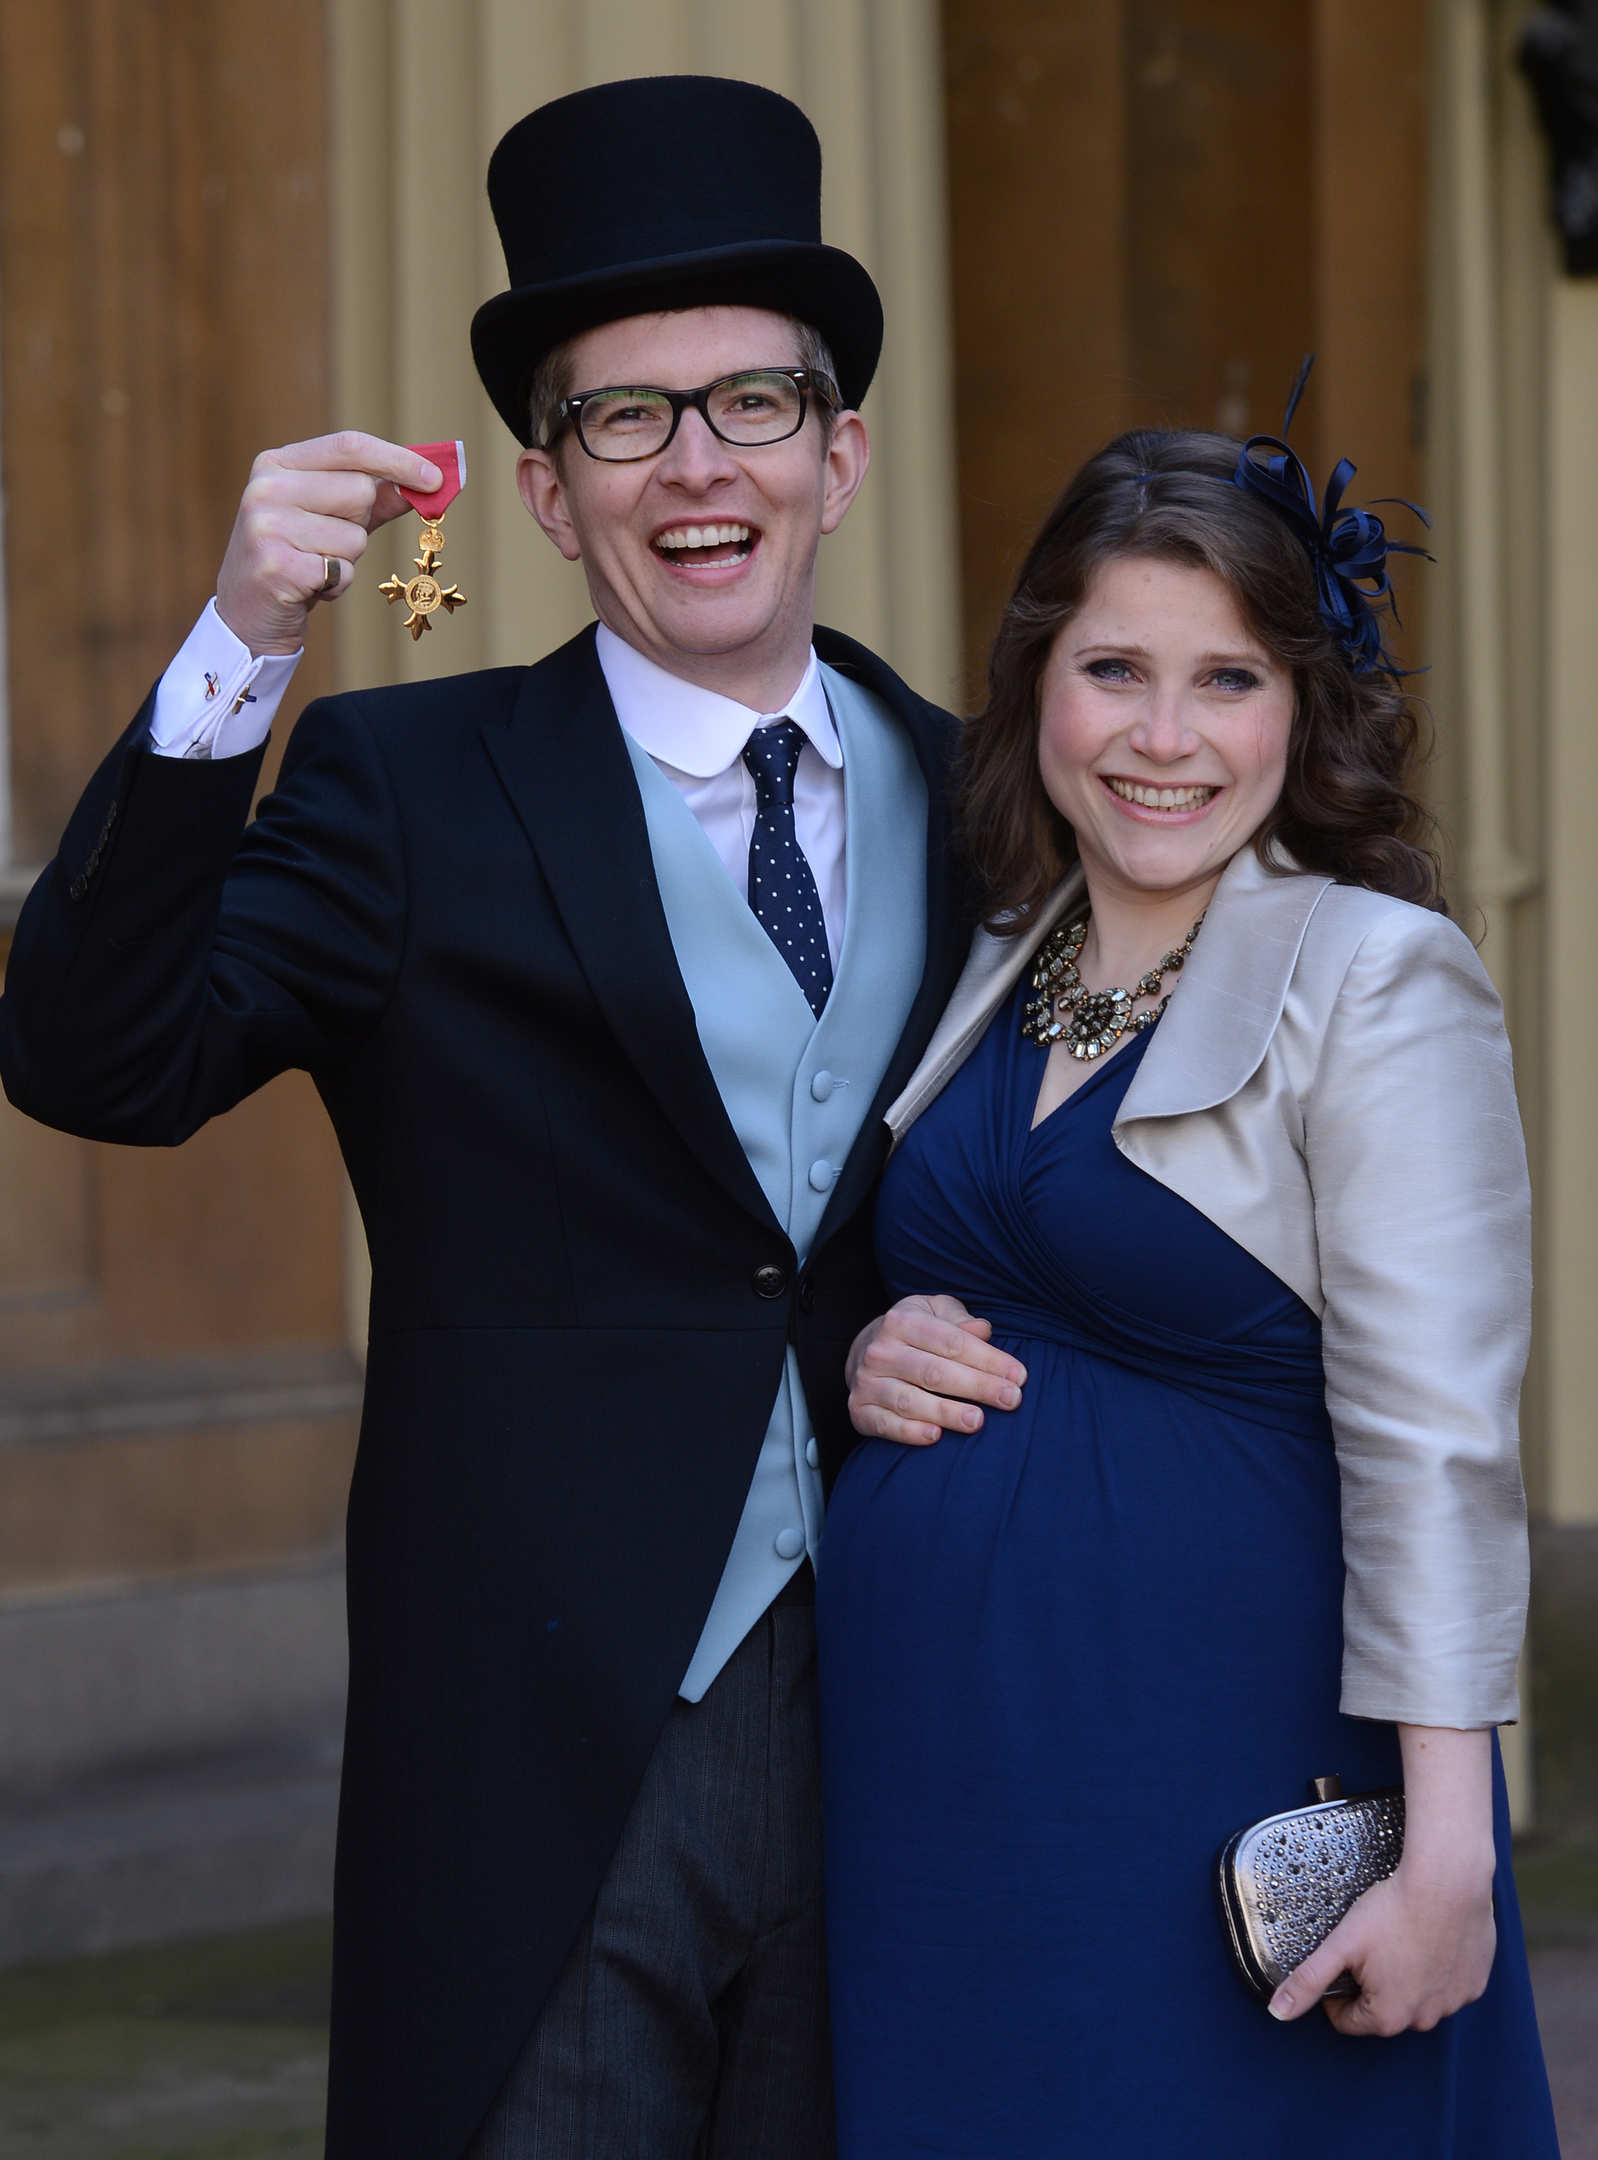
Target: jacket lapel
[1219, 1026]
[1212, 1040]
[932, 734]
[564, 765]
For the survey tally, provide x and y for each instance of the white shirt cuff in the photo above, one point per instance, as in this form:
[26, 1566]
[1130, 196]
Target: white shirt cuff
[218, 700]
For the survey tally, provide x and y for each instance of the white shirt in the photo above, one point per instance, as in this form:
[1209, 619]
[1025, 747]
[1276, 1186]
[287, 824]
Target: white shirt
[697, 737]
[218, 700]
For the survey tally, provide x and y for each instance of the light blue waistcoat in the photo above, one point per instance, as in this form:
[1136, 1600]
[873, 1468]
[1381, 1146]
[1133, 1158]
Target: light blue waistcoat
[797, 1089]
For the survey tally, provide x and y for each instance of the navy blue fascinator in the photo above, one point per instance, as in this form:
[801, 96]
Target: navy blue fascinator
[1347, 548]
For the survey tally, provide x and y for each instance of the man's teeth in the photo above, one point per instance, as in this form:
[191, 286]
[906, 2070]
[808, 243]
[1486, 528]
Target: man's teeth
[1161, 798]
[703, 536]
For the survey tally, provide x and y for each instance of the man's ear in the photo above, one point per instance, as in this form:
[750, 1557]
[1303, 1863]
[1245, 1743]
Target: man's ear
[848, 455]
[544, 493]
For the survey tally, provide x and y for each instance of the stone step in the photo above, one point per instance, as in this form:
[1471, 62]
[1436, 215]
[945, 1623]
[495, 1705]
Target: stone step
[191, 1849]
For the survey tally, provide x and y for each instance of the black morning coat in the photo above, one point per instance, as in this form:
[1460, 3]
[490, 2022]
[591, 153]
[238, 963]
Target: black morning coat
[447, 914]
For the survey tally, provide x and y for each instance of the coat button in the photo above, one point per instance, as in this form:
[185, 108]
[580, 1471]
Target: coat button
[812, 1454]
[769, 1281]
[111, 811]
[822, 1175]
[105, 834]
[821, 1087]
[790, 1543]
[93, 862]
[78, 887]
[807, 1297]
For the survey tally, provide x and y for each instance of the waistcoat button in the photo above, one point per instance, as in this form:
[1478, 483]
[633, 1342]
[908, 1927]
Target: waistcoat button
[812, 1454]
[821, 1086]
[790, 1543]
[769, 1281]
[822, 1175]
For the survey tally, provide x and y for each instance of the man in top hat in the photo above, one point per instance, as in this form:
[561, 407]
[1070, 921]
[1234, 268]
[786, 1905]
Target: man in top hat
[605, 969]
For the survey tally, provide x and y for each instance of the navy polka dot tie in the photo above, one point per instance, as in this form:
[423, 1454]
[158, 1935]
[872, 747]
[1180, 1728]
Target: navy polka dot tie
[782, 885]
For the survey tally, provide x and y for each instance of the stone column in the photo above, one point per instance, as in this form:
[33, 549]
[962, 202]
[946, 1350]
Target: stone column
[1513, 458]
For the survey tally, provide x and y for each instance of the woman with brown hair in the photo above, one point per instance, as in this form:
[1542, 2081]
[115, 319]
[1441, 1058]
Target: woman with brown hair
[1219, 1140]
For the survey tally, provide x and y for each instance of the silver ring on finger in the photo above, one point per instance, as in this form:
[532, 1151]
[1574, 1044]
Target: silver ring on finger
[330, 583]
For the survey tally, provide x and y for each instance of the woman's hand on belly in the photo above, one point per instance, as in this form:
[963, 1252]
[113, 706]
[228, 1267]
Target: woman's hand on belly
[919, 1370]
[1421, 1943]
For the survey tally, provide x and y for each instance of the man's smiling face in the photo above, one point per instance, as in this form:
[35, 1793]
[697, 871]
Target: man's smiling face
[703, 557]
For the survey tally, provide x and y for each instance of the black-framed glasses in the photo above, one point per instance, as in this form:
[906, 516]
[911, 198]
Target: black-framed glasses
[620, 425]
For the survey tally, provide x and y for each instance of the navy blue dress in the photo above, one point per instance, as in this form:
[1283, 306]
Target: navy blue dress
[1063, 1659]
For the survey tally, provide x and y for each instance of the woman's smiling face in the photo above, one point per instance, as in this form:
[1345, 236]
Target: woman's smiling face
[1163, 727]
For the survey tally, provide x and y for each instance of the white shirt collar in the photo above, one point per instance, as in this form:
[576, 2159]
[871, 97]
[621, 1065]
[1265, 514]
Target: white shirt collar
[699, 731]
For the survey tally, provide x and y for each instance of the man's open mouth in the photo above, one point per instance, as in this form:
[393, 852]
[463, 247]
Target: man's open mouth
[703, 546]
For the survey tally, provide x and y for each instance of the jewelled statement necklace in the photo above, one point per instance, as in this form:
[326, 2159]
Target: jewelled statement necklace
[1090, 1022]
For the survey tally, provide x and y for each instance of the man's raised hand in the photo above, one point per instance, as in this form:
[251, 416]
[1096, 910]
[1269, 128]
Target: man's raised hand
[918, 1372]
[305, 504]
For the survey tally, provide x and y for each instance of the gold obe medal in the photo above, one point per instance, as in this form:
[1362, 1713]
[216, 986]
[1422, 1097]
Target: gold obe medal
[425, 593]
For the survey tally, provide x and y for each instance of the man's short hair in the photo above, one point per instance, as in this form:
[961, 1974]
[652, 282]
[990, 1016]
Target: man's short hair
[551, 380]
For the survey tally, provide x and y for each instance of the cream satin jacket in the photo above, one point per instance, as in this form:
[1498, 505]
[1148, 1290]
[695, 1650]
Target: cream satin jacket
[1331, 1086]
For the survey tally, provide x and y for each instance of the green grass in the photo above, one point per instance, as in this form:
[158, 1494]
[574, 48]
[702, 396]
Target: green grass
[210, 2050]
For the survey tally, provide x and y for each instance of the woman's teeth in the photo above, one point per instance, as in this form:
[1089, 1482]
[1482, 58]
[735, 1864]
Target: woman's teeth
[683, 538]
[1160, 798]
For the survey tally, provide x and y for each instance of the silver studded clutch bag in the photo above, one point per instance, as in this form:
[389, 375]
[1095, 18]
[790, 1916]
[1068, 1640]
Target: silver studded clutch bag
[1286, 1882]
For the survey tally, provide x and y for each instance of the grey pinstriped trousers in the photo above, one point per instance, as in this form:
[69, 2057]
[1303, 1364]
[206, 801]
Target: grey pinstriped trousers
[690, 2021]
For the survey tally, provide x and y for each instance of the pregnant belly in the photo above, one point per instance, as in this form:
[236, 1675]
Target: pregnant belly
[1113, 1557]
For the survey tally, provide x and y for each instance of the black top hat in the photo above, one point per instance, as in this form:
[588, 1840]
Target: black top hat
[670, 191]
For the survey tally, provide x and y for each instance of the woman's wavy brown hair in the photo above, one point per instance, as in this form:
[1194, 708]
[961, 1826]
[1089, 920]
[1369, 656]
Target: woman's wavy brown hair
[1344, 808]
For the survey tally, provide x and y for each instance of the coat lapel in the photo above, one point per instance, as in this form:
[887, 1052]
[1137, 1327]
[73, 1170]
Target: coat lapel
[564, 765]
[1214, 1037]
[949, 910]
